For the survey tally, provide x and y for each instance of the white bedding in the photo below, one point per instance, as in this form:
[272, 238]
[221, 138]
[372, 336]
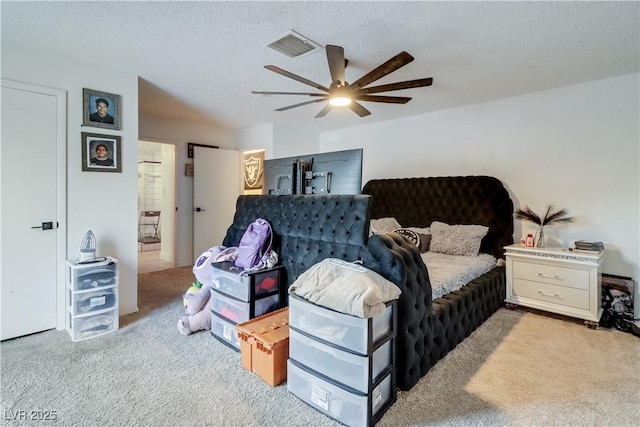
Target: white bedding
[450, 272]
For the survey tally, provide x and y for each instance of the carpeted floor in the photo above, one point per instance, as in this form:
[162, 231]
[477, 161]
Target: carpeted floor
[518, 369]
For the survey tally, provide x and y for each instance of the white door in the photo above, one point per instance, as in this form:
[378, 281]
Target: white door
[33, 263]
[217, 178]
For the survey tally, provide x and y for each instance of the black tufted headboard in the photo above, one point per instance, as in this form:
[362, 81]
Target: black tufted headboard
[417, 202]
[306, 228]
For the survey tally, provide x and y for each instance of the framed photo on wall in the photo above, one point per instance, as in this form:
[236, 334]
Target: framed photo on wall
[101, 153]
[100, 109]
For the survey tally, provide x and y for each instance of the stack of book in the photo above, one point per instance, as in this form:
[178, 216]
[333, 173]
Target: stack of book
[589, 245]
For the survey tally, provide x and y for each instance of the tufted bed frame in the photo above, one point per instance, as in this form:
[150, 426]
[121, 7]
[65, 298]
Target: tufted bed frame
[309, 228]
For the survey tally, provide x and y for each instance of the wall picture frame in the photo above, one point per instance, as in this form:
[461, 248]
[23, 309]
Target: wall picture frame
[101, 109]
[101, 153]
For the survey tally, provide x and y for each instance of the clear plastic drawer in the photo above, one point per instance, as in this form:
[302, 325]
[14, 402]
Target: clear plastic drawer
[352, 409]
[225, 331]
[87, 302]
[358, 372]
[91, 276]
[91, 326]
[245, 286]
[240, 311]
[339, 329]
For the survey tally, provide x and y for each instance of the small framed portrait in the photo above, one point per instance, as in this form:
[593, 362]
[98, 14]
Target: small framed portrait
[101, 109]
[101, 153]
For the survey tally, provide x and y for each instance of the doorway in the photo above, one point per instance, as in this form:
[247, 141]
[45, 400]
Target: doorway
[156, 206]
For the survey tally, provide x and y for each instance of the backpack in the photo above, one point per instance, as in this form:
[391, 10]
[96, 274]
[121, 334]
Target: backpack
[255, 243]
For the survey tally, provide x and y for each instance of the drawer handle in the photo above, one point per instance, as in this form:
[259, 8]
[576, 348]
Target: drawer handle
[326, 350]
[546, 294]
[550, 276]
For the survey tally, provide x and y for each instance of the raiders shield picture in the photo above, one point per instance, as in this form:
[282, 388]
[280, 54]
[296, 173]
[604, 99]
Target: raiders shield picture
[253, 171]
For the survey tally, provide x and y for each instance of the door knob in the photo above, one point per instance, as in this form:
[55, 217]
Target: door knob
[46, 225]
[199, 210]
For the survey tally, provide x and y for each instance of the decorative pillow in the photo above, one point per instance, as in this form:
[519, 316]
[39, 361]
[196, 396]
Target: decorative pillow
[456, 239]
[383, 225]
[419, 230]
[421, 241]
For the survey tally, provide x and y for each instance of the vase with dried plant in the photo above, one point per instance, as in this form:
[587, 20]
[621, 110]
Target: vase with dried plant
[551, 217]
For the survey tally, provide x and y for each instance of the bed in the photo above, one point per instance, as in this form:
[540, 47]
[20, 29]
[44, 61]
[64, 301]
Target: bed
[308, 229]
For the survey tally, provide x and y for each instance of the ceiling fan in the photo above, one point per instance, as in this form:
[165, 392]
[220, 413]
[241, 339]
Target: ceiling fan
[340, 93]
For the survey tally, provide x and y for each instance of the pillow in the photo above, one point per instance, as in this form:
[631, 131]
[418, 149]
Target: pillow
[456, 239]
[421, 241]
[383, 225]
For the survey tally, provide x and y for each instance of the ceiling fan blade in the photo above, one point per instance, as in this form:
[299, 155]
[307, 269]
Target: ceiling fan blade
[262, 92]
[324, 111]
[300, 104]
[335, 57]
[295, 77]
[398, 86]
[387, 99]
[359, 109]
[400, 60]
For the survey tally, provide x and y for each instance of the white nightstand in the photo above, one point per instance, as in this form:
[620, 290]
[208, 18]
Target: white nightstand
[556, 280]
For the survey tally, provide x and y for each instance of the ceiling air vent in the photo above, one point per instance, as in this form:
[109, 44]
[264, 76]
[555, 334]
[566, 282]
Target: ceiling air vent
[293, 44]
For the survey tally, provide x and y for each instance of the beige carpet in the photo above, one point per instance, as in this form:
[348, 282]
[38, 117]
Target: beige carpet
[527, 368]
[518, 369]
[531, 367]
[159, 288]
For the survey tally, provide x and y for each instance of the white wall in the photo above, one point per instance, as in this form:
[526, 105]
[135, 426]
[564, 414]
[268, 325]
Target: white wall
[294, 142]
[257, 138]
[291, 141]
[575, 147]
[158, 129]
[103, 202]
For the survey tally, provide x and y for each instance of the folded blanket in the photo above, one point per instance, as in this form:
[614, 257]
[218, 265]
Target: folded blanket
[345, 287]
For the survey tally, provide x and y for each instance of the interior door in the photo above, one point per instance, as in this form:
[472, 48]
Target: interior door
[33, 264]
[217, 177]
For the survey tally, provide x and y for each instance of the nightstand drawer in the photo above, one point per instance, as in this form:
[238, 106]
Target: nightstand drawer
[559, 295]
[551, 274]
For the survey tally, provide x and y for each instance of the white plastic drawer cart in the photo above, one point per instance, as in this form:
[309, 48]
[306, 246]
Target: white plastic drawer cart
[92, 298]
[342, 365]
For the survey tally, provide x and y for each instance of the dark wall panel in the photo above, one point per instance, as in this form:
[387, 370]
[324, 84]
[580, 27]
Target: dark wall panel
[337, 172]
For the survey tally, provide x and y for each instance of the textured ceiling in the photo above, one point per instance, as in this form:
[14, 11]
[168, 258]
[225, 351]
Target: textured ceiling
[199, 61]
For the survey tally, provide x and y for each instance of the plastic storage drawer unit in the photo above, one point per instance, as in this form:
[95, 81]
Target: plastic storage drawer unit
[240, 311]
[352, 370]
[92, 298]
[339, 329]
[225, 331]
[227, 278]
[346, 406]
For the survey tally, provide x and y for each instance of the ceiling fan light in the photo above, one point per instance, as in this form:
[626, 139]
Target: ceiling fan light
[340, 101]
